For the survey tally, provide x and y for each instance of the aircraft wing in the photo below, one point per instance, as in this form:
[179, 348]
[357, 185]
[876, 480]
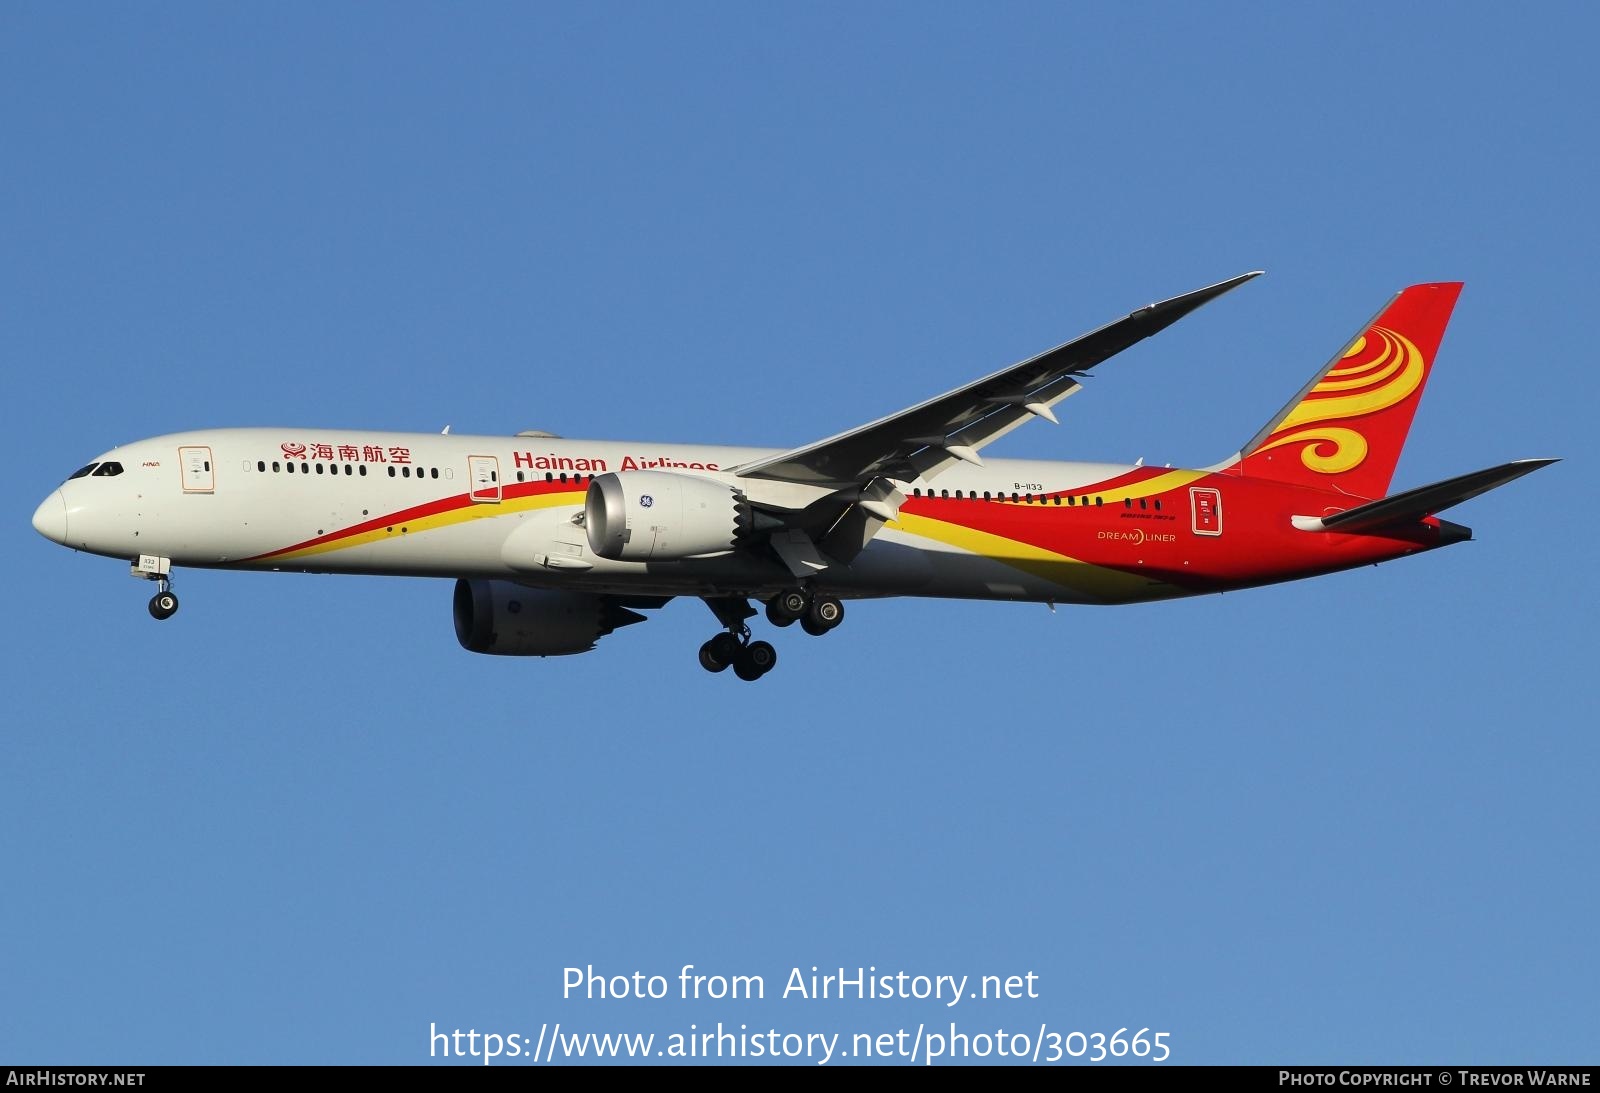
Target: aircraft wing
[933, 435]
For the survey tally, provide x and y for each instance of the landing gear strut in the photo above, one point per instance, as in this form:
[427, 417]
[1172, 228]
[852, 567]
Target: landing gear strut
[163, 605]
[750, 660]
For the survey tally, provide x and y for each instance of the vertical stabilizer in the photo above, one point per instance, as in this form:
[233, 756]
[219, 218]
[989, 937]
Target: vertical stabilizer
[1345, 429]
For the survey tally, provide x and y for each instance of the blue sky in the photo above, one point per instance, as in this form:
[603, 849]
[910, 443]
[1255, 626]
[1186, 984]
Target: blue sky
[1350, 820]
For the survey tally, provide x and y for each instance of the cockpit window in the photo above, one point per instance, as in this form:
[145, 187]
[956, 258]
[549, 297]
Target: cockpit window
[108, 470]
[83, 472]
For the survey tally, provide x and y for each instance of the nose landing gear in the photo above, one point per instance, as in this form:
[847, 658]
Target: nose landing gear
[163, 605]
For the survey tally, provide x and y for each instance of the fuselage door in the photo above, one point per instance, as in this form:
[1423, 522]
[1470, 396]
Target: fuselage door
[1205, 508]
[483, 471]
[195, 462]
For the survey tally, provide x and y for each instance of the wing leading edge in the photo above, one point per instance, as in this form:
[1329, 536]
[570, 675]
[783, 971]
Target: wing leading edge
[934, 435]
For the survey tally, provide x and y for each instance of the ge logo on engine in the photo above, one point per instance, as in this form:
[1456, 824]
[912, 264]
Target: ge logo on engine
[645, 500]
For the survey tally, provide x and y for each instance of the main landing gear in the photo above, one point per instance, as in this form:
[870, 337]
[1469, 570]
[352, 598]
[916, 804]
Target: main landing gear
[815, 614]
[750, 660]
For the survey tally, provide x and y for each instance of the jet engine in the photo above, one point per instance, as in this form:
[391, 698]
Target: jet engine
[642, 516]
[509, 619]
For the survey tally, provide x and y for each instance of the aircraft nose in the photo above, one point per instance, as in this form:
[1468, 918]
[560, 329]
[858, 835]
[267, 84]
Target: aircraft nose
[50, 518]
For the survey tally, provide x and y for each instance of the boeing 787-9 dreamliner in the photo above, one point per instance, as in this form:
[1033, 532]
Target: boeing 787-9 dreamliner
[555, 543]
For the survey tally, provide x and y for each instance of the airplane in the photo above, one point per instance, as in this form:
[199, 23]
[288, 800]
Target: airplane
[555, 543]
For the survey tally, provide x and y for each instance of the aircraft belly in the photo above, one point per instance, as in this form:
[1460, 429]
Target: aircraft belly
[994, 568]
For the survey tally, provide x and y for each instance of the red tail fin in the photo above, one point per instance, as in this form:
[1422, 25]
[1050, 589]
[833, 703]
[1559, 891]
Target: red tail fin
[1346, 428]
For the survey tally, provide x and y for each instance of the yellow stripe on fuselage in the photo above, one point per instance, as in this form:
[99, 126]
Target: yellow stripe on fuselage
[469, 510]
[1072, 573]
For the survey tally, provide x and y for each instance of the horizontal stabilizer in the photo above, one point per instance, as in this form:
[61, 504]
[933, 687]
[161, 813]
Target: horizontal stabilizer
[1413, 505]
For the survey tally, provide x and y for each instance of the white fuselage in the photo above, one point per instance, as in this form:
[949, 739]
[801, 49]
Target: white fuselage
[352, 501]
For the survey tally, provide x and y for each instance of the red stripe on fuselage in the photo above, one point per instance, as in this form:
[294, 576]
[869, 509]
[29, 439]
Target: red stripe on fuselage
[415, 512]
[1258, 545]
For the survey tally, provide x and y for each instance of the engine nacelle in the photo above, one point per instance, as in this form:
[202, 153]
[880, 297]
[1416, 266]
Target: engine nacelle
[641, 516]
[508, 619]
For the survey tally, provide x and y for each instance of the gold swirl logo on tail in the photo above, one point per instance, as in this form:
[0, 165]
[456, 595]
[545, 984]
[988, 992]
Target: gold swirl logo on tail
[1381, 369]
